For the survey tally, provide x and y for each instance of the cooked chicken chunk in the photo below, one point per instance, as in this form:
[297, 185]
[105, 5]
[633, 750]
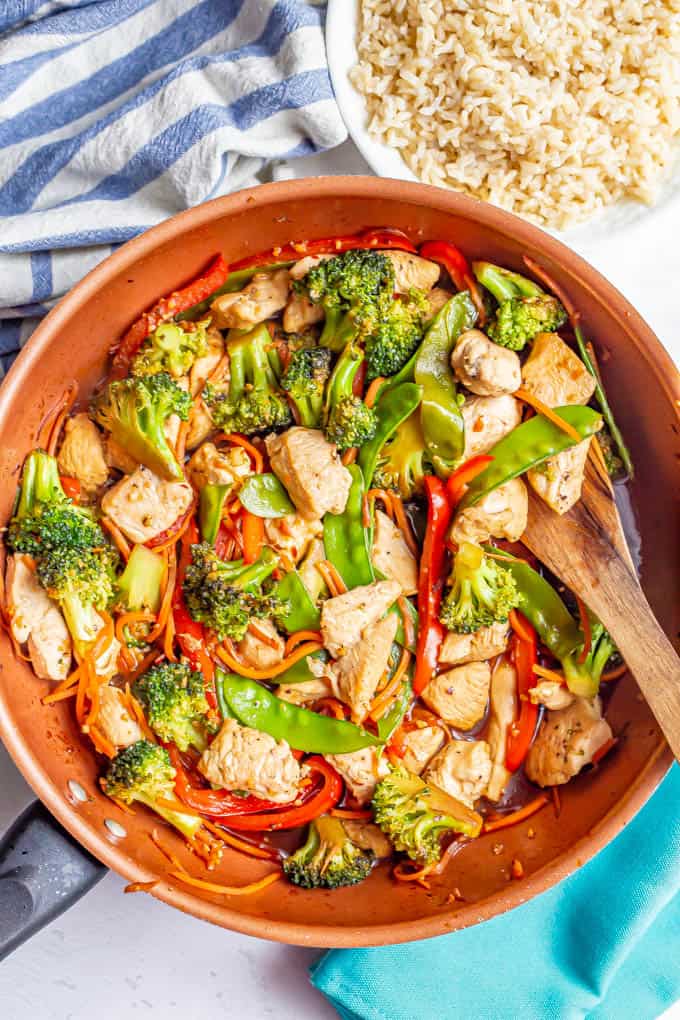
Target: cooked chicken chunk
[436, 300]
[210, 466]
[310, 468]
[556, 375]
[345, 617]
[240, 758]
[262, 654]
[305, 692]
[483, 644]
[460, 695]
[357, 673]
[114, 719]
[204, 366]
[119, 458]
[361, 771]
[263, 297]
[567, 740]
[420, 746]
[300, 312]
[502, 513]
[309, 574]
[412, 271]
[291, 536]
[551, 694]
[483, 366]
[82, 453]
[461, 769]
[35, 618]
[368, 836]
[144, 505]
[392, 556]
[302, 267]
[559, 480]
[487, 420]
[200, 425]
[502, 715]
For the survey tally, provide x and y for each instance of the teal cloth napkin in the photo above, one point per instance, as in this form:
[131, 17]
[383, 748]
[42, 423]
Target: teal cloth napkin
[604, 944]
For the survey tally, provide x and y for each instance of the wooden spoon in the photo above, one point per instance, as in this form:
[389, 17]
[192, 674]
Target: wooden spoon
[586, 549]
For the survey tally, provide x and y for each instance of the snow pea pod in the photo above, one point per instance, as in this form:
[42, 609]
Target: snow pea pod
[211, 503]
[304, 730]
[346, 541]
[392, 408]
[303, 614]
[265, 496]
[440, 413]
[235, 281]
[528, 445]
[392, 719]
[300, 671]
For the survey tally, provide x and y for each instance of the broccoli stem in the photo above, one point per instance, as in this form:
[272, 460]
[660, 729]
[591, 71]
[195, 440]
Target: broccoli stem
[82, 620]
[342, 378]
[338, 331]
[188, 825]
[40, 483]
[139, 586]
[503, 283]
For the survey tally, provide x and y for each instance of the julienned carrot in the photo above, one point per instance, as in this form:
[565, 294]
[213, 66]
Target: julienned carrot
[251, 849]
[228, 890]
[66, 688]
[349, 456]
[402, 522]
[332, 579]
[548, 413]
[253, 536]
[373, 390]
[379, 704]
[258, 632]
[301, 635]
[519, 623]
[226, 653]
[614, 674]
[101, 743]
[136, 711]
[549, 674]
[385, 498]
[129, 619]
[251, 450]
[505, 821]
[166, 601]
[119, 539]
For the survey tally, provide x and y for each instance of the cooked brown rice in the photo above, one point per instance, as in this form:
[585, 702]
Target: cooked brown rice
[553, 109]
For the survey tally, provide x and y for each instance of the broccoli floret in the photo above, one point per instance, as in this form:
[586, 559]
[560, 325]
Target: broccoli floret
[139, 586]
[328, 858]
[225, 595]
[524, 309]
[348, 421]
[583, 678]
[355, 289]
[397, 335]
[172, 347]
[134, 411]
[416, 816]
[173, 698]
[403, 461]
[304, 381]
[143, 772]
[253, 400]
[482, 592]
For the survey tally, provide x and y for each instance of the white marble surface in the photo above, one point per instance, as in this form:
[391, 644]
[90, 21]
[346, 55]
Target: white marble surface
[117, 957]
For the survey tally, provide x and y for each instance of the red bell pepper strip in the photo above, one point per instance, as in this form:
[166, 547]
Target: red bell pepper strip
[169, 533]
[523, 653]
[198, 290]
[323, 798]
[71, 487]
[376, 237]
[431, 582]
[458, 482]
[212, 802]
[190, 634]
[253, 536]
[458, 269]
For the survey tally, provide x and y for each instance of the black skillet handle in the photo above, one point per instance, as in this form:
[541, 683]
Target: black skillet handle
[43, 871]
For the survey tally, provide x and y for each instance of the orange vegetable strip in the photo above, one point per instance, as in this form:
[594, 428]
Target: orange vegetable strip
[402, 522]
[171, 542]
[372, 391]
[166, 602]
[349, 456]
[65, 688]
[338, 582]
[241, 844]
[409, 632]
[518, 622]
[136, 711]
[226, 653]
[238, 440]
[557, 803]
[386, 499]
[128, 619]
[301, 635]
[258, 632]
[147, 661]
[228, 890]
[614, 674]
[379, 704]
[169, 639]
[253, 536]
[549, 674]
[547, 412]
[505, 821]
[101, 743]
[119, 539]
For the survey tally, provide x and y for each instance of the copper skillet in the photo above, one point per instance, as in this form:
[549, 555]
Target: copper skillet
[75, 339]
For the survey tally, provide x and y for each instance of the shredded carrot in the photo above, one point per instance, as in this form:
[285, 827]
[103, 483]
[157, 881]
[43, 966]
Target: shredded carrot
[387, 695]
[585, 627]
[65, 689]
[385, 498]
[134, 887]
[228, 890]
[169, 639]
[147, 661]
[349, 456]
[129, 619]
[403, 523]
[335, 707]
[597, 458]
[227, 654]
[519, 624]
[258, 632]
[119, 539]
[372, 391]
[409, 630]
[549, 674]
[65, 406]
[301, 635]
[241, 844]
[394, 758]
[166, 602]
[237, 440]
[505, 821]
[548, 413]
[332, 579]
[557, 802]
[402, 873]
[359, 814]
[121, 805]
[604, 749]
[136, 712]
[101, 743]
[614, 674]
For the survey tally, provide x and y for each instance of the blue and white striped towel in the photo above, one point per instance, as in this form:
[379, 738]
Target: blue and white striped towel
[115, 114]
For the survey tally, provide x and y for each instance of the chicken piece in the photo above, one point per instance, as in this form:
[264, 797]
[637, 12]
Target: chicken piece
[306, 692]
[171, 429]
[412, 271]
[368, 836]
[302, 267]
[309, 574]
[345, 617]
[82, 453]
[311, 470]
[502, 715]
[392, 556]
[420, 746]
[144, 505]
[566, 741]
[461, 769]
[483, 366]
[114, 719]
[262, 654]
[201, 425]
[551, 694]
[210, 466]
[291, 537]
[300, 313]
[487, 420]
[482, 644]
[556, 375]
[358, 672]
[241, 758]
[559, 480]
[502, 513]
[361, 770]
[263, 297]
[117, 457]
[436, 300]
[460, 695]
[35, 618]
[204, 366]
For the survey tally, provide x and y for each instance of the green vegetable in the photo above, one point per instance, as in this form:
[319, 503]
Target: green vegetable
[254, 705]
[355, 289]
[139, 586]
[302, 613]
[392, 410]
[171, 348]
[348, 421]
[305, 380]
[403, 461]
[528, 445]
[300, 671]
[393, 717]
[607, 412]
[253, 400]
[174, 702]
[397, 336]
[328, 859]
[210, 506]
[416, 816]
[347, 542]
[400, 637]
[135, 410]
[265, 496]
[524, 310]
[481, 592]
[235, 281]
[441, 416]
[143, 772]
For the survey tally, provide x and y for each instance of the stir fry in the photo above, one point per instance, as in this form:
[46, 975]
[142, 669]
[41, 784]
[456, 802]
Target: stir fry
[276, 563]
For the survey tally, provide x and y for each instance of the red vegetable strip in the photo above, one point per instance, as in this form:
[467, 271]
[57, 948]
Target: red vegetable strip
[376, 237]
[211, 802]
[71, 487]
[458, 269]
[521, 733]
[431, 582]
[458, 482]
[585, 627]
[323, 799]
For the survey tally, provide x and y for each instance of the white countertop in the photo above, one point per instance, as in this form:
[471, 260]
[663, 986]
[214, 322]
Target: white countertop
[115, 957]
